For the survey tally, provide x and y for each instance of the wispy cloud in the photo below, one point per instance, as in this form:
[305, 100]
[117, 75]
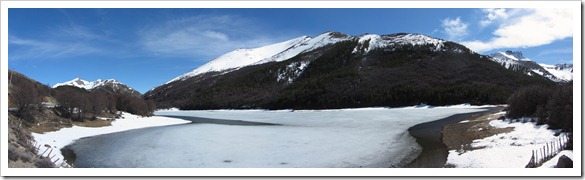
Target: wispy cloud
[532, 28]
[202, 36]
[555, 51]
[454, 28]
[63, 41]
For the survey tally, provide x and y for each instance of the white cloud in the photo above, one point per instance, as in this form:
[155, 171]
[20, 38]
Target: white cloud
[202, 36]
[454, 28]
[536, 28]
[493, 14]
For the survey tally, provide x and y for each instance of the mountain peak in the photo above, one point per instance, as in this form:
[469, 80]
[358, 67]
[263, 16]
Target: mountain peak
[270, 53]
[512, 55]
[109, 85]
[515, 60]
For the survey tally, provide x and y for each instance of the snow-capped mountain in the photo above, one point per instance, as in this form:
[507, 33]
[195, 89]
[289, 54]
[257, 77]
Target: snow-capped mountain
[335, 70]
[515, 60]
[288, 49]
[109, 85]
[275, 52]
[561, 71]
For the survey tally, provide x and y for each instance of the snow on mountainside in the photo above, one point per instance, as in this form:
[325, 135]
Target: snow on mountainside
[288, 49]
[109, 85]
[80, 83]
[275, 52]
[368, 42]
[562, 71]
[515, 60]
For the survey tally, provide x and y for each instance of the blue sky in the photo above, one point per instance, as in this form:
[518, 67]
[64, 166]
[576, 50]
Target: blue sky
[148, 47]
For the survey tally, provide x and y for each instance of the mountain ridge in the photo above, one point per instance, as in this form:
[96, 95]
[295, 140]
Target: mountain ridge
[398, 69]
[515, 60]
[108, 86]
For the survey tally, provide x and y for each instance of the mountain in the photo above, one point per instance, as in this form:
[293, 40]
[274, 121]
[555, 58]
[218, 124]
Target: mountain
[271, 53]
[108, 86]
[335, 70]
[515, 60]
[561, 71]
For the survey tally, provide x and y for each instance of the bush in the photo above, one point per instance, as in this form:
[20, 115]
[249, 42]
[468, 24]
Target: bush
[44, 163]
[26, 157]
[13, 153]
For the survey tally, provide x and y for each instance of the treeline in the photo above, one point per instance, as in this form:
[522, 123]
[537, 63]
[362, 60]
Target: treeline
[80, 104]
[548, 105]
[27, 95]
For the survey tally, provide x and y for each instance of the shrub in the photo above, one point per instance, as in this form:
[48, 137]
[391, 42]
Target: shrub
[44, 163]
[13, 153]
[26, 157]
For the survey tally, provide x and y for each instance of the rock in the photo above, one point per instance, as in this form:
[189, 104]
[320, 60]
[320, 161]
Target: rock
[564, 162]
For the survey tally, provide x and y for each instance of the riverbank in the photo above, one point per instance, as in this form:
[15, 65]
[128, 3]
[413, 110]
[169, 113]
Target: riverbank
[430, 136]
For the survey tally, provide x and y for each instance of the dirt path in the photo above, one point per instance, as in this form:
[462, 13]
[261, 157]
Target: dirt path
[430, 137]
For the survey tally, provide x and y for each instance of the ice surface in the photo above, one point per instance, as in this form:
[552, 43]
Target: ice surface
[65, 136]
[366, 137]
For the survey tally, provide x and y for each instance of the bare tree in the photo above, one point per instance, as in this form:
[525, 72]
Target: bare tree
[25, 99]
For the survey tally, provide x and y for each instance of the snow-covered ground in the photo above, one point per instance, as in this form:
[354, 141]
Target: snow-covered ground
[506, 150]
[65, 136]
[366, 137]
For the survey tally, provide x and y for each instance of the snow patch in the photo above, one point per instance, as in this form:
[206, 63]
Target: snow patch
[291, 71]
[506, 150]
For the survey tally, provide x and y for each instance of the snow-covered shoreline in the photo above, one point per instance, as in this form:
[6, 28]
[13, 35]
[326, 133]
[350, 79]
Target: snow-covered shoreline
[506, 150]
[525, 137]
[63, 137]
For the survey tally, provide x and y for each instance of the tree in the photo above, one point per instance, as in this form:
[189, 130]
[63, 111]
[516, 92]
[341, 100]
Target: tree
[25, 99]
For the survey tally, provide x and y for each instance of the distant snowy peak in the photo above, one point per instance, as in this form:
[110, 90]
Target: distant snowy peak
[275, 52]
[108, 86]
[77, 82]
[510, 55]
[561, 71]
[515, 60]
[80, 83]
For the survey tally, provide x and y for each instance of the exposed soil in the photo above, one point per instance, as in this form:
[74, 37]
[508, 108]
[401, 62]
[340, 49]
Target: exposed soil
[430, 136]
[460, 135]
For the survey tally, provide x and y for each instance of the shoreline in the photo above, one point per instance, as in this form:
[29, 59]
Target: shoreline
[429, 136]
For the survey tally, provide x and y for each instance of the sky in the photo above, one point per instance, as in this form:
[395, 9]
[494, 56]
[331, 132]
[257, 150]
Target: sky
[144, 48]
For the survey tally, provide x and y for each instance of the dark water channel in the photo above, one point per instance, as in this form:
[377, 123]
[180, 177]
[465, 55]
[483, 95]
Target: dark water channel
[429, 136]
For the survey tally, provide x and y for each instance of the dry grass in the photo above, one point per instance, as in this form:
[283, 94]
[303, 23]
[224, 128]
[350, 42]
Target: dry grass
[96, 123]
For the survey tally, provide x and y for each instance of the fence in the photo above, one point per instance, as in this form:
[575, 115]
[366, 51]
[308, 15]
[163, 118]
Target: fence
[548, 151]
[49, 156]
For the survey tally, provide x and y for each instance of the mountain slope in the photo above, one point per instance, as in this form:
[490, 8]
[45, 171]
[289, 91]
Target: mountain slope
[107, 86]
[363, 71]
[515, 60]
[561, 71]
[275, 52]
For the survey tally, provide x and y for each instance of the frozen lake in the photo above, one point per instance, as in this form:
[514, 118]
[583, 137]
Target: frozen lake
[366, 137]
